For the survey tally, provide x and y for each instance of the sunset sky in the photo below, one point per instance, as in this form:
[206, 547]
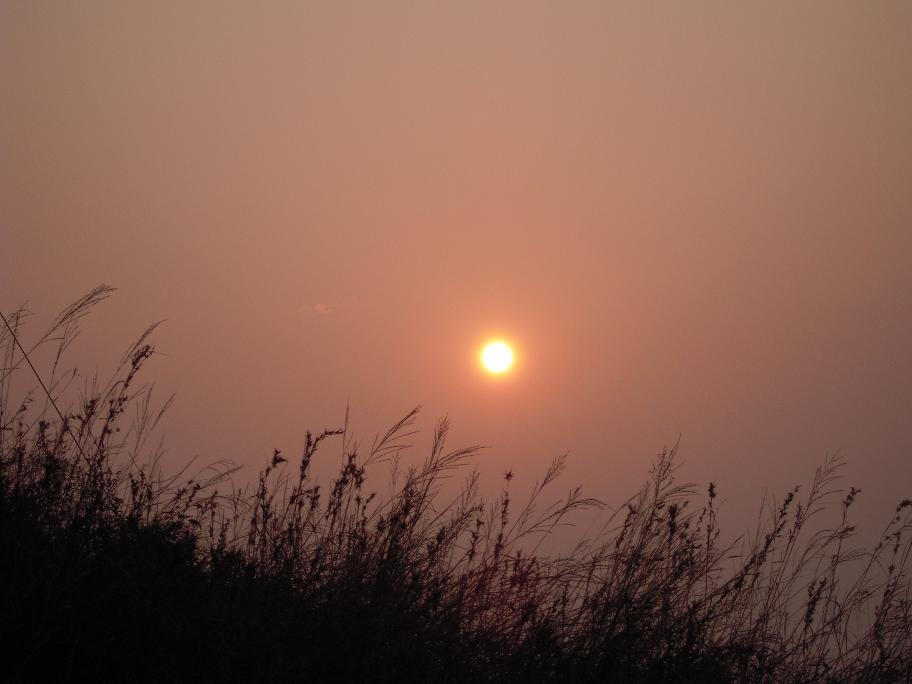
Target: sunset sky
[689, 218]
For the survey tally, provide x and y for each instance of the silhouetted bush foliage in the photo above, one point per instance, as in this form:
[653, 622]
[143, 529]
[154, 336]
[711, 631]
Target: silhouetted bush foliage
[109, 569]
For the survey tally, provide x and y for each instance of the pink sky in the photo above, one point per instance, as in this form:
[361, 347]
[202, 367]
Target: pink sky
[693, 218]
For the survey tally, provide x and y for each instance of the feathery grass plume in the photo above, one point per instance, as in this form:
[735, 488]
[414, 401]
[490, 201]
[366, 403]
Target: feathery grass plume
[111, 568]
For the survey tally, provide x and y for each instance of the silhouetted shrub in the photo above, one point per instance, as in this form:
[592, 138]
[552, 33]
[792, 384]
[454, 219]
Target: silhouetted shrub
[109, 569]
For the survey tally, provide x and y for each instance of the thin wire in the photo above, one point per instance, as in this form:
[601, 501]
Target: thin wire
[63, 420]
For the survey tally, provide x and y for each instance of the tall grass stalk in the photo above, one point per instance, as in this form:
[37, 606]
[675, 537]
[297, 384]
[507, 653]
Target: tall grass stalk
[111, 568]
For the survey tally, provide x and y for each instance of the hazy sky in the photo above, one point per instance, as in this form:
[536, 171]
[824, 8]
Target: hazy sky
[692, 218]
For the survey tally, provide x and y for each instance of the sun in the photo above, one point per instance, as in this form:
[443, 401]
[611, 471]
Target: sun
[497, 357]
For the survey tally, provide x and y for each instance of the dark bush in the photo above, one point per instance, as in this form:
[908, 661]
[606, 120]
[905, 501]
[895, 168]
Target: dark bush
[110, 570]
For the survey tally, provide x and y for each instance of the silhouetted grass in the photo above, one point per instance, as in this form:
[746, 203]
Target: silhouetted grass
[110, 569]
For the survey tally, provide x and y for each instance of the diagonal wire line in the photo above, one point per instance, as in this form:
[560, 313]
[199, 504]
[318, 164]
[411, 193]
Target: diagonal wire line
[63, 420]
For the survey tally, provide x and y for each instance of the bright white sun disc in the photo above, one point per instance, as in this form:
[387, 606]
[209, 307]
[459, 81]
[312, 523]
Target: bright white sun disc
[497, 357]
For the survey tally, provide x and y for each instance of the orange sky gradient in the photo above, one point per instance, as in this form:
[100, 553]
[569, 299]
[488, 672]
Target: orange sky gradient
[693, 219]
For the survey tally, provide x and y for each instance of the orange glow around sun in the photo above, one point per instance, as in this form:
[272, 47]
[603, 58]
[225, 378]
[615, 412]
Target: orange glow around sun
[497, 357]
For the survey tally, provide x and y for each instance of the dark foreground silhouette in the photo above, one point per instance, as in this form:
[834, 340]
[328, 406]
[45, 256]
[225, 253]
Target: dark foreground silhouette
[111, 570]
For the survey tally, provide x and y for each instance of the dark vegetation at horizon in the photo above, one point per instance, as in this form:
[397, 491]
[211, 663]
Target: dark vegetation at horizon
[111, 569]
